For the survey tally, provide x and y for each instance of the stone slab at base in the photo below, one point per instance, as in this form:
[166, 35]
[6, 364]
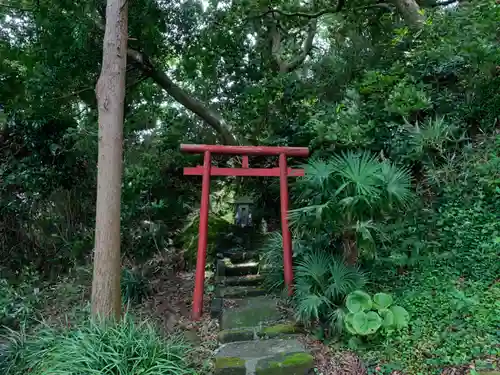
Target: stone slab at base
[268, 357]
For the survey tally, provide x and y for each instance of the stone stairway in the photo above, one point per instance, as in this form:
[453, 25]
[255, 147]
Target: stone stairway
[255, 338]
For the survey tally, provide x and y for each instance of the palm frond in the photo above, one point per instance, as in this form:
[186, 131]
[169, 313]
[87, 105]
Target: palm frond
[358, 173]
[308, 308]
[312, 214]
[397, 183]
[271, 256]
[317, 173]
[343, 280]
[336, 320]
[314, 266]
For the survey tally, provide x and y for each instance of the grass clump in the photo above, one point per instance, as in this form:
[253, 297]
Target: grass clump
[125, 348]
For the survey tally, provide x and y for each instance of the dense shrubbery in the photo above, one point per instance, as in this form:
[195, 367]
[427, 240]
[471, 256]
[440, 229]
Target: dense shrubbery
[346, 199]
[440, 262]
[18, 302]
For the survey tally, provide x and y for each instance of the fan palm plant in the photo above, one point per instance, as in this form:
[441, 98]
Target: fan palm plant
[347, 196]
[322, 283]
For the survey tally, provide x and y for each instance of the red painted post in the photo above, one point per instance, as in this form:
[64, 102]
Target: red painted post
[287, 239]
[202, 239]
[283, 172]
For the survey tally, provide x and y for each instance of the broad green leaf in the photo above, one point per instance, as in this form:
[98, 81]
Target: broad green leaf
[401, 316]
[366, 323]
[358, 301]
[382, 301]
[374, 322]
[359, 322]
[348, 320]
[387, 318]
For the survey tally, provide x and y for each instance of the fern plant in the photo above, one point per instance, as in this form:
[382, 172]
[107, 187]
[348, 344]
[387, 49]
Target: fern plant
[348, 196]
[322, 283]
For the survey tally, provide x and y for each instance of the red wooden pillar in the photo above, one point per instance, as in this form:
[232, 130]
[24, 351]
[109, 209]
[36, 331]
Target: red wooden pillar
[287, 239]
[202, 239]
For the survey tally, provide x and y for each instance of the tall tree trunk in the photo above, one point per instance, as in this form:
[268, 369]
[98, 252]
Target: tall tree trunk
[110, 90]
[410, 11]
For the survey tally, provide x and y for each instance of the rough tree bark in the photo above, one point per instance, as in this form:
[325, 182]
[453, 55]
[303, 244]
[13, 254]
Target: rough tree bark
[351, 252]
[110, 92]
[410, 11]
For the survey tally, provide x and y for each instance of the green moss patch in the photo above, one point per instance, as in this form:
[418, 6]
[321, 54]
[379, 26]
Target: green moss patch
[286, 364]
[232, 335]
[279, 330]
[229, 366]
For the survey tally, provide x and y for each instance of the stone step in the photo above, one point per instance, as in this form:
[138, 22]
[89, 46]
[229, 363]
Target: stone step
[251, 313]
[241, 269]
[239, 256]
[239, 291]
[263, 332]
[243, 280]
[216, 307]
[269, 357]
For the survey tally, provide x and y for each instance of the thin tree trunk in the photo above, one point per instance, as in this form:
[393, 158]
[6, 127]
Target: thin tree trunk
[350, 249]
[110, 90]
[410, 11]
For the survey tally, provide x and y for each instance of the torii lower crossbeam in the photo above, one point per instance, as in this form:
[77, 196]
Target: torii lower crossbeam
[283, 172]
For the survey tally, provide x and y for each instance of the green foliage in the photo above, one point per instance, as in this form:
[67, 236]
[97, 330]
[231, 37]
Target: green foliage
[217, 226]
[92, 348]
[374, 100]
[348, 197]
[271, 260]
[18, 302]
[451, 291]
[368, 316]
[358, 301]
[322, 282]
[134, 286]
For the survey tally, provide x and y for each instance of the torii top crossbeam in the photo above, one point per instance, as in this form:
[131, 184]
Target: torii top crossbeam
[283, 172]
[246, 150]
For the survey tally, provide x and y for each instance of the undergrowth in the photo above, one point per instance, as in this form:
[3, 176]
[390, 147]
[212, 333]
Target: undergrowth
[91, 348]
[452, 289]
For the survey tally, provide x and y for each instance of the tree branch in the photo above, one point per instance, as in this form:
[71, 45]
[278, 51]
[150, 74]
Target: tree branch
[322, 12]
[306, 47]
[443, 3]
[276, 46]
[2, 5]
[210, 116]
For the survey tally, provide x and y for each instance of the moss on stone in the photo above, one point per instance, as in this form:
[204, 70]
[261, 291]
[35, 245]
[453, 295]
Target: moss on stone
[224, 362]
[229, 366]
[298, 359]
[278, 330]
[286, 364]
[233, 335]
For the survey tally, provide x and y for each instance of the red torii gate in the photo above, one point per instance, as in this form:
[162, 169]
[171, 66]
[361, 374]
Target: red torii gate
[283, 172]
